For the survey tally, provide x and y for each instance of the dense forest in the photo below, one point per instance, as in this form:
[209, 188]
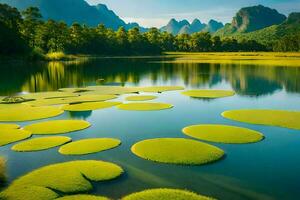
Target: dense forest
[25, 33]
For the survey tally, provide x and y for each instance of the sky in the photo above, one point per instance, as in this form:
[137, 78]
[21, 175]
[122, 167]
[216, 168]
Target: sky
[157, 13]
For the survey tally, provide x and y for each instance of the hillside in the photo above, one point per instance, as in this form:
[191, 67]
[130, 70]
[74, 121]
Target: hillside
[73, 11]
[251, 19]
[291, 26]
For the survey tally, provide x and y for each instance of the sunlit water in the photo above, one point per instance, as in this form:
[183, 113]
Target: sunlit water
[265, 170]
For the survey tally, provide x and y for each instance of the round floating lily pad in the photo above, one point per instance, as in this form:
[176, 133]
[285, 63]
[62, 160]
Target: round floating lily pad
[145, 106]
[116, 90]
[39, 144]
[223, 134]
[88, 146]
[286, 119]
[57, 127]
[28, 113]
[90, 106]
[82, 197]
[9, 126]
[177, 151]
[165, 194]
[69, 177]
[140, 98]
[8, 136]
[156, 89]
[210, 94]
[71, 100]
[48, 95]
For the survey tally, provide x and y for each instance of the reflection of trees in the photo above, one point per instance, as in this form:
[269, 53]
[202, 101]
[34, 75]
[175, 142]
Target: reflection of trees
[80, 115]
[2, 172]
[245, 79]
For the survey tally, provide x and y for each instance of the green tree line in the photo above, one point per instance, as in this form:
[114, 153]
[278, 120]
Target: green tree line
[26, 32]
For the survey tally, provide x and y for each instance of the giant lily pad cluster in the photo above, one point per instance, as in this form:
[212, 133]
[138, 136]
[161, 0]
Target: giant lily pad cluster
[60, 181]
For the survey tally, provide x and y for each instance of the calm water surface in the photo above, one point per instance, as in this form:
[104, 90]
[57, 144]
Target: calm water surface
[266, 170]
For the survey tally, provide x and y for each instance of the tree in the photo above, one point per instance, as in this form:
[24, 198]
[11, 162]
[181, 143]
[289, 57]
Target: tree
[32, 18]
[201, 42]
[11, 41]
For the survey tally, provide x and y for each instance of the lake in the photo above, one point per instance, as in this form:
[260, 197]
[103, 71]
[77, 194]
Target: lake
[265, 170]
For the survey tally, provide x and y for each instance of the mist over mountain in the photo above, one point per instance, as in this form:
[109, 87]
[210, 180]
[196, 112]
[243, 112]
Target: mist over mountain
[184, 27]
[72, 11]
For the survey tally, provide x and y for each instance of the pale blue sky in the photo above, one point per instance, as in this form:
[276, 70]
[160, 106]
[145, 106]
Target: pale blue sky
[159, 12]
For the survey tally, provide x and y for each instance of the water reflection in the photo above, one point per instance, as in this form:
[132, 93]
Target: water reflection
[80, 115]
[250, 80]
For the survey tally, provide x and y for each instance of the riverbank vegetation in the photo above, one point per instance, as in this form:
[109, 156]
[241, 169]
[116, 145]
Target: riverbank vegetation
[25, 34]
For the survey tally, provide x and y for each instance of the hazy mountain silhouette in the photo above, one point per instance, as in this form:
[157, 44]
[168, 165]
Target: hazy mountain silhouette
[184, 27]
[72, 11]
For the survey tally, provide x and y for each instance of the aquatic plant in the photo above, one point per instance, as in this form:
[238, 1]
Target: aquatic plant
[88, 146]
[223, 134]
[177, 151]
[160, 89]
[8, 136]
[67, 178]
[165, 194]
[14, 100]
[281, 118]
[9, 126]
[20, 113]
[49, 95]
[57, 127]
[71, 100]
[144, 106]
[212, 94]
[82, 197]
[89, 106]
[39, 144]
[140, 98]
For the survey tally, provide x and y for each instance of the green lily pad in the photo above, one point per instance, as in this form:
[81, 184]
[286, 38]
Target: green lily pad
[27, 113]
[166, 194]
[8, 136]
[140, 98]
[210, 94]
[88, 146]
[57, 127]
[72, 100]
[159, 89]
[223, 134]
[116, 90]
[39, 144]
[9, 126]
[90, 106]
[177, 151]
[70, 177]
[144, 106]
[82, 197]
[48, 95]
[281, 118]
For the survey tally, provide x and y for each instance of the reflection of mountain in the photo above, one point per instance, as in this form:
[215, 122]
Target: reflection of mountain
[252, 80]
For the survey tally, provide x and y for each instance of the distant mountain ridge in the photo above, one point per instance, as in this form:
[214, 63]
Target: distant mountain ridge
[184, 27]
[72, 11]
